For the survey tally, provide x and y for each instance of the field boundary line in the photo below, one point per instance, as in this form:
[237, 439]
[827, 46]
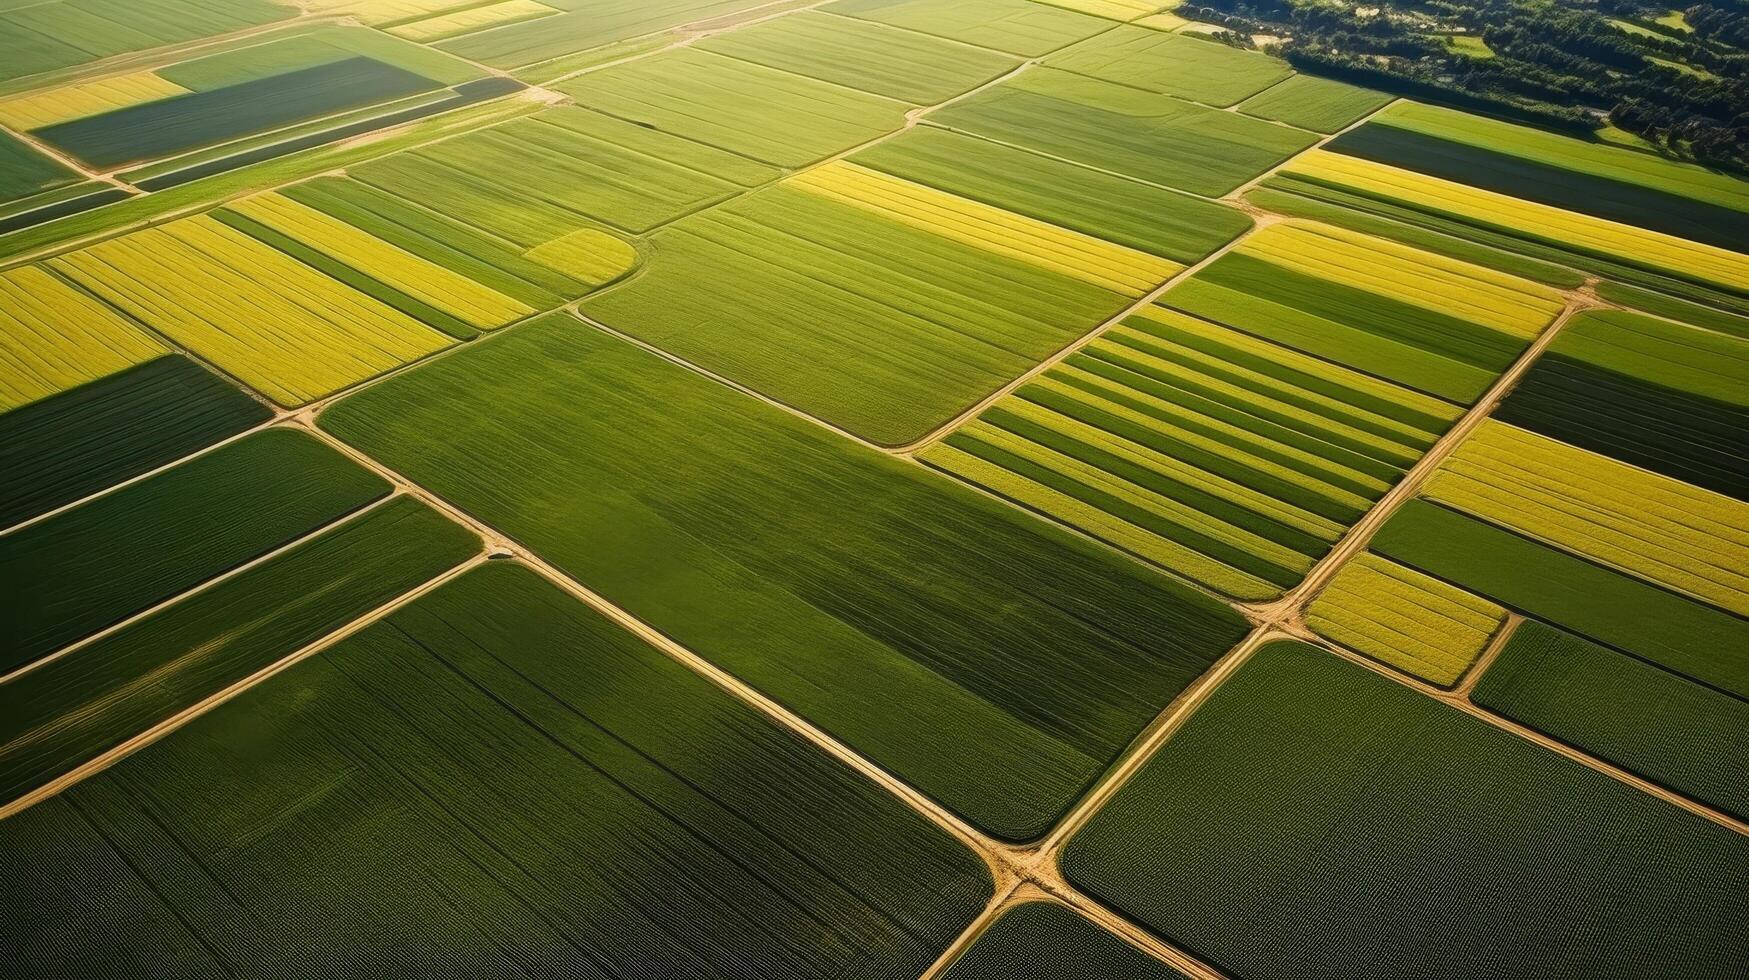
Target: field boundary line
[196, 589]
[997, 855]
[93, 766]
[1473, 673]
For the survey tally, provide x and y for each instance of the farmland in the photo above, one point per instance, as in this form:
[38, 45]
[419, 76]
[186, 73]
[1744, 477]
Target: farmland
[868, 488]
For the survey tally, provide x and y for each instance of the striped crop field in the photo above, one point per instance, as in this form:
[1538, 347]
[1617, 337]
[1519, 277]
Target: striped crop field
[1412, 621]
[936, 489]
[1537, 223]
[280, 326]
[55, 337]
[1670, 533]
[1221, 457]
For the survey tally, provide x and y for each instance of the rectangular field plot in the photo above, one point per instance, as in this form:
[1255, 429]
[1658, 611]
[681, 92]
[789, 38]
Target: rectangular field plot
[1126, 131]
[1044, 939]
[34, 110]
[1173, 64]
[1413, 622]
[1672, 534]
[81, 570]
[1661, 395]
[1645, 189]
[536, 179]
[42, 37]
[1226, 459]
[24, 171]
[1677, 633]
[66, 446]
[281, 326]
[471, 19]
[493, 780]
[1660, 725]
[1127, 212]
[993, 661]
[73, 708]
[898, 64]
[54, 337]
[1015, 26]
[586, 24]
[1528, 222]
[879, 305]
[1322, 105]
[1438, 325]
[776, 117]
[1353, 818]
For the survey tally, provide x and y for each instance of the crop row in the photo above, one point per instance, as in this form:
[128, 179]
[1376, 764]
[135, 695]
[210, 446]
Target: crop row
[1410, 620]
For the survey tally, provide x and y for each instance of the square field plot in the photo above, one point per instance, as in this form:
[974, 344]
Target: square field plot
[877, 304]
[1313, 818]
[493, 780]
[985, 657]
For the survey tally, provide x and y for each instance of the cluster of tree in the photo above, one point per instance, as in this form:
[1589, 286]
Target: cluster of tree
[1563, 65]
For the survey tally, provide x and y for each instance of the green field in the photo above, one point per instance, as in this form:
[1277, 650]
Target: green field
[1173, 64]
[97, 564]
[1044, 939]
[546, 831]
[1663, 726]
[805, 565]
[1016, 26]
[24, 172]
[1355, 818]
[1321, 105]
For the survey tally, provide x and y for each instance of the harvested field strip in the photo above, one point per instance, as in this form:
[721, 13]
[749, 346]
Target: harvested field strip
[1173, 64]
[1121, 270]
[39, 109]
[990, 659]
[283, 328]
[80, 571]
[187, 122]
[1414, 622]
[75, 707]
[1044, 939]
[54, 337]
[1015, 26]
[1547, 182]
[1125, 131]
[897, 64]
[782, 119]
[548, 792]
[1141, 216]
[1322, 105]
[67, 446]
[471, 19]
[1505, 303]
[1224, 459]
[1538, 222]
[1661, 395]
[592, 257]
[1307, 787]
[431, 283]
[1663, 530]
[1659, 725]
[1613, 608]
[451, 244]
[871, 324]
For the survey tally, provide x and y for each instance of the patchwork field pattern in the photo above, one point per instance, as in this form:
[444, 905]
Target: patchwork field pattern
[732, 487]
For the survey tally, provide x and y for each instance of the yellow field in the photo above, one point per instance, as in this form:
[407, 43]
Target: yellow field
[1661, 529]
[375, 12]
[54, 337]
[595, 257]
[1506, 303]
[423, 280]
[1122, 270]
[1609, 239]
[1413, 622]
[281, 327]
[39, 109]
[472, 19]
[1163, 21]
